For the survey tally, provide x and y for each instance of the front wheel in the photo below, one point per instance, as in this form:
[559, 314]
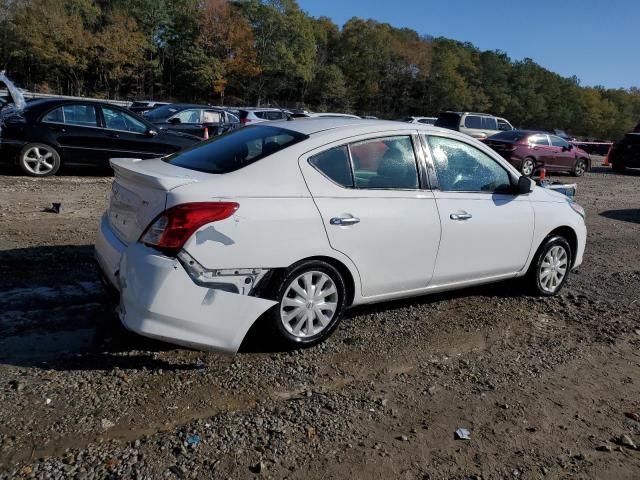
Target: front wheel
[550, 267]
[39, 160]
[580, 167]
[528, 165]
[311, 300]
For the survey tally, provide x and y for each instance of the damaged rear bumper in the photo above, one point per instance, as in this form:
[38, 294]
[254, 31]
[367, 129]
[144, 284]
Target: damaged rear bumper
[159, 299]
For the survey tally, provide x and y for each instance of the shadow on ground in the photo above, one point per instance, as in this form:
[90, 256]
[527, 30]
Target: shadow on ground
[631, 215]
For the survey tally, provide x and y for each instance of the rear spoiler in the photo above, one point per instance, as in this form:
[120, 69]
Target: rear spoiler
[154, 173]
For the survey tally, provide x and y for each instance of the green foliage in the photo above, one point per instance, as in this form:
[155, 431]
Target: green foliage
[271, 52]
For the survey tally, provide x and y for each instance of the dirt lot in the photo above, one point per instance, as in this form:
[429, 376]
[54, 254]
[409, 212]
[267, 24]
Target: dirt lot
[547, 387]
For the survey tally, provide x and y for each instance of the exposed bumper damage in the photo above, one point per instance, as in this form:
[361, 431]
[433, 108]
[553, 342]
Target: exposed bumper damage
[176, 299]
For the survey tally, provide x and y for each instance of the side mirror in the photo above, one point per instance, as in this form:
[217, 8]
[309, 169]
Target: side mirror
[152, 133]
[524, 185]
[174, 120]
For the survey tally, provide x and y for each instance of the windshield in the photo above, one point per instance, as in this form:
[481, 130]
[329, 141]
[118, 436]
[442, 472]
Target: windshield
[450, 120]
[14, 95]
[235, 149]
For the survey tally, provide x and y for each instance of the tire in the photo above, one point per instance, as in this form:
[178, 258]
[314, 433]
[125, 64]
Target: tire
[39, 160]
[528, 166]
[544, 285]
[296, 330]
[580, 167]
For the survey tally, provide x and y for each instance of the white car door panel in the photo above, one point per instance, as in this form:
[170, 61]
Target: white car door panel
[391, 234]
[483, 235]
[487, 229]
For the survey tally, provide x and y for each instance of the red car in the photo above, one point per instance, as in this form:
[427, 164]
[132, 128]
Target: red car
[523, 148]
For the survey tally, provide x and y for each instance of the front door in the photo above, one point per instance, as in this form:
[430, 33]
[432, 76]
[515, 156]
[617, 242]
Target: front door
[487, 231]
[564, 156]
[376, 211]
[126, 136]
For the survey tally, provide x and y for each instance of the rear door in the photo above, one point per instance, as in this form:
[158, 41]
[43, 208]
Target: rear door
[542, 150]
[187, 121]
[377, 210]
[75, 128]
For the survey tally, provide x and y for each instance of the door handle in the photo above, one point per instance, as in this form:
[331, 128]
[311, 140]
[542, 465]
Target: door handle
[344, 221]
[460, 216]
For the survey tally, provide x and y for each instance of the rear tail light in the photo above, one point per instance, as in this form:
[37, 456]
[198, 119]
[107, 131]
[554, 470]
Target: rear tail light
[245, 120]
[172, 228]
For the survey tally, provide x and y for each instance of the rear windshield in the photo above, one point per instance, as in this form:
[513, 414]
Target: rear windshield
[235, 149]
[510, 136]
[449, 120]
[162, 112]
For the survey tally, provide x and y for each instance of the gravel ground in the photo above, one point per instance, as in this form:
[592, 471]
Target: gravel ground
[546, 387]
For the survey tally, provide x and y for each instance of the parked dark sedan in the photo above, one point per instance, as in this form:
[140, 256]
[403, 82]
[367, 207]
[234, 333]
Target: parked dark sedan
[46, 134]
[524, 148]
[625, 153]
[199, 120]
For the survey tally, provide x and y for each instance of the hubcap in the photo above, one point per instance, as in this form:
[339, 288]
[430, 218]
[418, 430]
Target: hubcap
[553, 269]
[309, 304]
[38, 160]
[527, 168]
[580, 168]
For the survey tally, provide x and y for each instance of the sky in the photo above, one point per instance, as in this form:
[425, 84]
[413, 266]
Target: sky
[596, 40]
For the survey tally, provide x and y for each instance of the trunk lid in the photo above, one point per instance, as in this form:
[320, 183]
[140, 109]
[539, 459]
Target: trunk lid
[139, 193]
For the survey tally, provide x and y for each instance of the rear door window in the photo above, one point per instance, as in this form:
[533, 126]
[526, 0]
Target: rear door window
[190, 116]
[385, 163]
[80, 115]
[489, 123]
[473, 121]
[539, 140]
[235, 149]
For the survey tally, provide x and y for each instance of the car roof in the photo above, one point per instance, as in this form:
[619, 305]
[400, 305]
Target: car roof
[52, 102]
[311, 126]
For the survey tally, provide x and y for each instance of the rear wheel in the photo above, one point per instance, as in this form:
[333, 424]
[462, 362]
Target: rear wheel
[39, 160]
[311, 299]
[550, 267]
[580, 167]
[528, 165]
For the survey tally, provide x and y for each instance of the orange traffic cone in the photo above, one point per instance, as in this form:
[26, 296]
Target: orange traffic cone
[206, 133]
[543, 174]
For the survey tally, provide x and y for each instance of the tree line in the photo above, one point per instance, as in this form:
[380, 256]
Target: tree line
[270, 52]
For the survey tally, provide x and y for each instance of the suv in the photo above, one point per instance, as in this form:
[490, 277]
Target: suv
[476, 125]
[257, 115]
[626, 152]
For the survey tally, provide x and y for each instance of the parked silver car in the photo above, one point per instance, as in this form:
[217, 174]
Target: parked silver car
[476, 125]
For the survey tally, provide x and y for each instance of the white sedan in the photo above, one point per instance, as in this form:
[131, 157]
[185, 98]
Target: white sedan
[293, 222]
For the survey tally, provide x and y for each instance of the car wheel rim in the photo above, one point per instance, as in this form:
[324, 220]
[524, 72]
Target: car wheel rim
[527, 168]
[38, 160]
[309, 304]
[553, 269]
[580, 168]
